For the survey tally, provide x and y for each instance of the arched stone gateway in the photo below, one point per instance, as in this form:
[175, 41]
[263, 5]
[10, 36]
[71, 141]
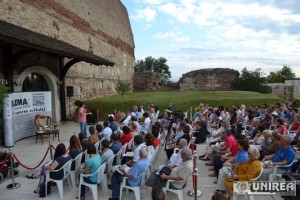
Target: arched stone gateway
[51, 81]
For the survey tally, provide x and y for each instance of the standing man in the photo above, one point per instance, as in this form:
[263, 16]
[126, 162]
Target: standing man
[82, 118]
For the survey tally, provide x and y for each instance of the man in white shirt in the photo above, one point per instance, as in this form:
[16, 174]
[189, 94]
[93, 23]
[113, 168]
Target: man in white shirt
[106, 131]
[176, 158]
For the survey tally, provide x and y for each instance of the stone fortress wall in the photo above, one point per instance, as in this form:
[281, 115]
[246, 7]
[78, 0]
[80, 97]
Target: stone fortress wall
[208, 79]
[288, 91]
[98, 26]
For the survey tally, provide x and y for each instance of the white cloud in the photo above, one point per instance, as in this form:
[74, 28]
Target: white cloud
[147, 14]
[173, 35]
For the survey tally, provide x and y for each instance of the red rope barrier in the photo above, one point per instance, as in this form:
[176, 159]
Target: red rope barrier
[5, 161]
[53, 147]
[31, 168]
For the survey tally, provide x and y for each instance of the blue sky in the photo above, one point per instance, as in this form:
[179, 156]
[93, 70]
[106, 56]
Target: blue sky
[198, 34]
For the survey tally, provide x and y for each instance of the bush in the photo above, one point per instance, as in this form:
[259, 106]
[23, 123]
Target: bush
[77, 103]
[296, 103]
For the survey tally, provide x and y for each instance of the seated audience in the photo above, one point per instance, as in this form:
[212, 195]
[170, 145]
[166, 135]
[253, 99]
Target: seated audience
[93, 138]
[139, 167]
[155, 133]
[200, 132]
[75, 149]
[90, 167]
[235, 161]
[107, 130]
[149, 143]
[116, 145]
[105, 152]
[245, 171]
[284, 155]
[138, 143]
[180, 173]
[99, 130]
[126, 137]
[186, 135]
[281, 128]
[272, 146]
[112, 125]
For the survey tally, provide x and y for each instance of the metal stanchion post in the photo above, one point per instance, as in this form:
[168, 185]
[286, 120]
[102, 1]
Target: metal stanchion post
[74, 132]
[195, 174]
[13, 185]
[50, 148]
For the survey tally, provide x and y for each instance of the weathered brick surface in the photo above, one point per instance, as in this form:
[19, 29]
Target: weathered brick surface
[147, 81]
[287, 91]
[208, 79]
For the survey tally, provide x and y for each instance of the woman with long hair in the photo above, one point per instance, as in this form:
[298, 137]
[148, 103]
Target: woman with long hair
[61, 157]
[75, 149]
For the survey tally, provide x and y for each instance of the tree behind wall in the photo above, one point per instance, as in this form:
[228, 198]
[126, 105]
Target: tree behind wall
[122, 87]
[153, 65]
[252, 81]
[286, 73]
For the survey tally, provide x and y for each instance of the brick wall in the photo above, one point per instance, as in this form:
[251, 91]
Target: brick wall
[98, 26]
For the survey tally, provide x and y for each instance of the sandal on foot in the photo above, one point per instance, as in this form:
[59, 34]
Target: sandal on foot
[204, 159]
[30, 177]
[209, 164]
[211, 169]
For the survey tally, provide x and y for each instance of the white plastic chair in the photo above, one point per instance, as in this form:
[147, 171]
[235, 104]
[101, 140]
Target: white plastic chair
[77, 161]
[120, 154]
[66, 170]
[130, 144]
[178, 192]
[274, 174]
[97, 146]
[94, 187]
[136, 189]
[109, 167]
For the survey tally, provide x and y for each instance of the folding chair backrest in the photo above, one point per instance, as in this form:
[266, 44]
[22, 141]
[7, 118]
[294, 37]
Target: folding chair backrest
[67, 168]
[124, 148]
[97, 146]
[260, 173]
[101, 172]
[118, 157]
[109, 164]
[77, 160]
[86, 155]
[130, 144]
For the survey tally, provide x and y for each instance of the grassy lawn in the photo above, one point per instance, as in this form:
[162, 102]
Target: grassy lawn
[181, 100]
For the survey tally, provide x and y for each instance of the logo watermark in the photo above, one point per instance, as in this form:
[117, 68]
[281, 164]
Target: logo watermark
[282, 188]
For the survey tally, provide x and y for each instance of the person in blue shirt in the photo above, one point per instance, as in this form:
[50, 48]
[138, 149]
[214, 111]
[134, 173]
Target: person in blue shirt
[285, 155]
[91, 166]
[112, 125]
[116, 145]
[240, 158]
[137, 169]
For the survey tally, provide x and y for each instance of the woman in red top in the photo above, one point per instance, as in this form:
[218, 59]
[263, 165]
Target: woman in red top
[295, 123]
[281, 127]
[155, 133]
[126, 137]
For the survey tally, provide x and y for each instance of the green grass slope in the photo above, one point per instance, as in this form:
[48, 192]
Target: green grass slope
[181, 100]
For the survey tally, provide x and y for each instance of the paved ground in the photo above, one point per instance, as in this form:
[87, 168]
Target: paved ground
[31, 153]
